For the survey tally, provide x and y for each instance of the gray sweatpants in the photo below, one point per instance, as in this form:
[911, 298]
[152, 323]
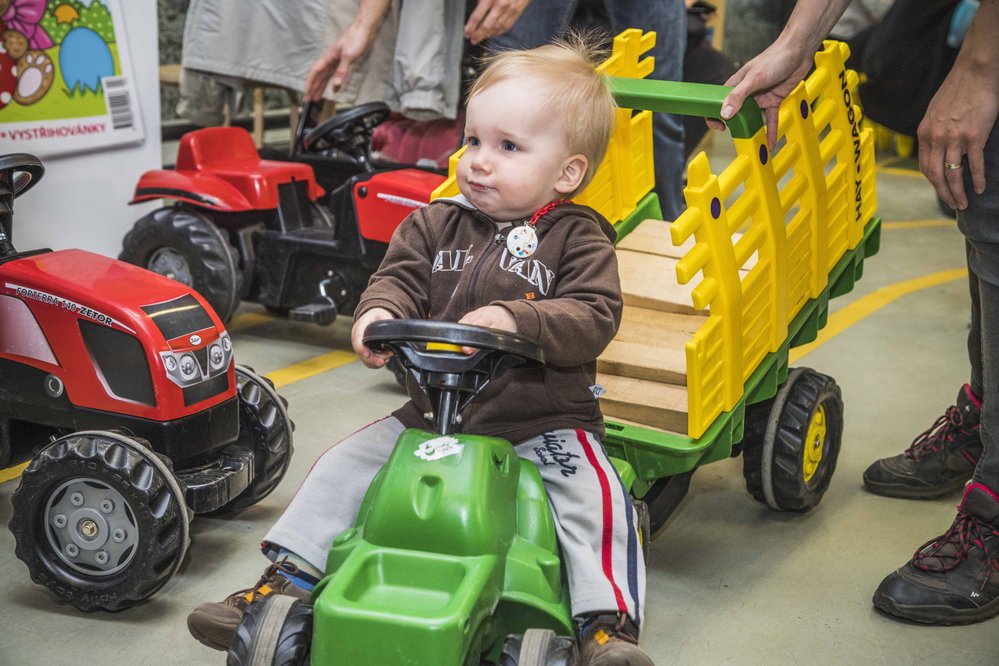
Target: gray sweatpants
[594, 518]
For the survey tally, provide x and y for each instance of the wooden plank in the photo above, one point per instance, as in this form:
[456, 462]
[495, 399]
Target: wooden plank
[642, 360]
[649, 281]
[652, 237]
[650, 403]
[651, 345]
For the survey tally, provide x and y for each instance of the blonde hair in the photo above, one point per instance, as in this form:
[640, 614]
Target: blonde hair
[575, 90]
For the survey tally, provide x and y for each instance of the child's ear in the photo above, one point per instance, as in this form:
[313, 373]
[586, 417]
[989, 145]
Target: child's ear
[573, 172]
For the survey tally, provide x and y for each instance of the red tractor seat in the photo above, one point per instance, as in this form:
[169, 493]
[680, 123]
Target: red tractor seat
[229, 154]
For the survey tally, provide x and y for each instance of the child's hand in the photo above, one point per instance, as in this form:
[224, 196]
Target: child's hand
[490, 316]
[370, 358]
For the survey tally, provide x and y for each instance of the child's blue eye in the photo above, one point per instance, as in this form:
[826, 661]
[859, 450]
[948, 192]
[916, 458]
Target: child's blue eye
[509, 146]
[471, 141]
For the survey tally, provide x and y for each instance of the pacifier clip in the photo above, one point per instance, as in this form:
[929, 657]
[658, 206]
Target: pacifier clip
[522, 241]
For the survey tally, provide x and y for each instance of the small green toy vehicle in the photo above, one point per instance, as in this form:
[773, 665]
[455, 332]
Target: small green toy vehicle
[454, 557]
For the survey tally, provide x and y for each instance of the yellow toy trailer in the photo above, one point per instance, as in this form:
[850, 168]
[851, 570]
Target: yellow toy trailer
[715, 300]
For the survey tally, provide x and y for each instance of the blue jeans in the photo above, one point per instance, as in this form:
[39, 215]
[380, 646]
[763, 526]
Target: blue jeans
[544, 19]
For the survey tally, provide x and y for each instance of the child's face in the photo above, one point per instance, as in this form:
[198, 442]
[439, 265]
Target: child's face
[516, 159]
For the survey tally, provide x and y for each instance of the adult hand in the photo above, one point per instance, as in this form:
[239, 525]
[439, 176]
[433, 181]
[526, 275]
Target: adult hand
[493, 17]
[338, 60]
[957, 123]
[490, 316]
[768, 78]
[370, 358]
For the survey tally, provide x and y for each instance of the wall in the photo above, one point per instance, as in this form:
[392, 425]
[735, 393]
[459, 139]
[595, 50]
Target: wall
[82, 200]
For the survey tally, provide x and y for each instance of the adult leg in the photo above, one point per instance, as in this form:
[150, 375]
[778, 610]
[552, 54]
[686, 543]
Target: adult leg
[668, 18]
[940, 460]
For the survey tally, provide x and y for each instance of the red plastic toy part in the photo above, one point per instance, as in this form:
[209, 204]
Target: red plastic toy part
[219, 168]
[385, 199]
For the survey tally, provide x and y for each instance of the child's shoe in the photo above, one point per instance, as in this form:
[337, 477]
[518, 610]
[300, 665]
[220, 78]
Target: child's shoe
[939, 461]
[610, 640]
[215, 623]
[953, 579]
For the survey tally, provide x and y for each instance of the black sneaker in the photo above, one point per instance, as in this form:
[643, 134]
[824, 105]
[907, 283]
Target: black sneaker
[611, 640]
[939, 461]
[953, 579]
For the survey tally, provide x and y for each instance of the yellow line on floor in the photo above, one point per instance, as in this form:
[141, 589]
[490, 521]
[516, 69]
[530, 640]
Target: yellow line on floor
[248, 319]
[917, 224]
[12, 472]
[867, 305]
[898, 171]
[311, 367]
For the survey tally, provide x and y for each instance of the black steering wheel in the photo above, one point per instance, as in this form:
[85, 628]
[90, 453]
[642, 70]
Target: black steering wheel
[431, 352]
[349, 131]
[19, 172]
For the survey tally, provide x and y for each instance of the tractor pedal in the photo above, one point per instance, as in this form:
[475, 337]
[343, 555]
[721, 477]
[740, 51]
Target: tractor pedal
[320, 311]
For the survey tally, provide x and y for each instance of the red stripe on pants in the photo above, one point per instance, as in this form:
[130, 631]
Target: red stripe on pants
[607, 537]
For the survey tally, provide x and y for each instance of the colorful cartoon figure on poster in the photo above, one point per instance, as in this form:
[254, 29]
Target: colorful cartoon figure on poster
[26, 71]
[43, 39]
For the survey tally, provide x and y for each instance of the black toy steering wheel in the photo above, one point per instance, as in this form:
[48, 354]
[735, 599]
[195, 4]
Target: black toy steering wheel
[431, 351]
[349, 131]
[19, 172]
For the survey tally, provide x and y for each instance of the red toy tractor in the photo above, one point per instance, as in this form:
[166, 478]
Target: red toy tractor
[123, 384]
[243, 228]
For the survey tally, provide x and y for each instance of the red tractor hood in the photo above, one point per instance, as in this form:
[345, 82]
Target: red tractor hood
[105, 290]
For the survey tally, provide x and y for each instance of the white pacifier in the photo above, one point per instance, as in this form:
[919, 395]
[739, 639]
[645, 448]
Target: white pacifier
[522, 241]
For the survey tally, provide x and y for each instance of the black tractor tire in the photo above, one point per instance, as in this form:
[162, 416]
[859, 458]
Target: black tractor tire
[5, 449]
[185, 245]
[538, 647]
[276, 630]
[100, 521]
[266, 429]
[791, 466]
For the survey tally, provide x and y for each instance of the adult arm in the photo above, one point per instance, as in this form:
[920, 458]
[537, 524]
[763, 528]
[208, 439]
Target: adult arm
[963, 112]
[338, 60]
[772, 75]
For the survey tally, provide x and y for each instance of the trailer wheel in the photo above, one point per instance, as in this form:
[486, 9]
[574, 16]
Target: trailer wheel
[538, 647]
[791, 467]
[266, 429]
[100, 521]
[186, 246]
[276, 629]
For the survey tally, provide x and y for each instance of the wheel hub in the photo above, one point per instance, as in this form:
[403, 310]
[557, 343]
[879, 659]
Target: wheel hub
[814, 444]
[90, 527]
[171, 263]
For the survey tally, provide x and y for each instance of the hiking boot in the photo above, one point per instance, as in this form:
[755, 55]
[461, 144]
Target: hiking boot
[953, 579]
[939, 461]
[611, 640]
[215, 623]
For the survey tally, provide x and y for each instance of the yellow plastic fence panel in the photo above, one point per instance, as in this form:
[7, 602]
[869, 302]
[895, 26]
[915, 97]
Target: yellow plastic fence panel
[798, 211]
[626, 174]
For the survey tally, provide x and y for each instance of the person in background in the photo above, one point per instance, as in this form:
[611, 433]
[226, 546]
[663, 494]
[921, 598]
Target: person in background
[953, 578]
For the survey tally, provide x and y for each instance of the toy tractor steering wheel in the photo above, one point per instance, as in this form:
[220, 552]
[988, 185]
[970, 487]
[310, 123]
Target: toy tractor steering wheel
[431, 351]
[19, 172]
[349, 131]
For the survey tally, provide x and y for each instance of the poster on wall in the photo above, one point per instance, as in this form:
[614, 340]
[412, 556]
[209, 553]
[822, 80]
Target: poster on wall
[66, 82]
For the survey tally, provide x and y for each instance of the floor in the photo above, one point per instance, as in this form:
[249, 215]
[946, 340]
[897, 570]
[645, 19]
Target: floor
[729, 581]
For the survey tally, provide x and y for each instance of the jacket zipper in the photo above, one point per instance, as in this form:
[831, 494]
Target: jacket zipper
[473, 281]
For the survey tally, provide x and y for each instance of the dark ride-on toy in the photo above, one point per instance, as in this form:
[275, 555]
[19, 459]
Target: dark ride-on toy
[243, 228]
[123, 385]
[453, 558]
